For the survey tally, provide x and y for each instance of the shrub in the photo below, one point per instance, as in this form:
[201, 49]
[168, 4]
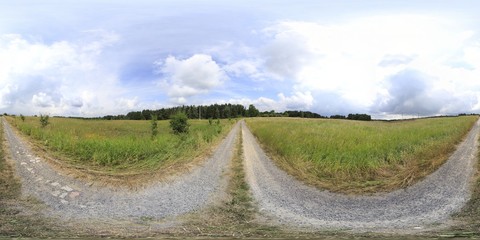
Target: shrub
[44, 120]
[154, 125]
[22, 117]
[179, 123]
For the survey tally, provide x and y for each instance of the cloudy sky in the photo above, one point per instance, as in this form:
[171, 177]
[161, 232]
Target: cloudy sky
[385, 58]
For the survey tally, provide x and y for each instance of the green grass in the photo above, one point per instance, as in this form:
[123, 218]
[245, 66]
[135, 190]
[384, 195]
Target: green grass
[355, 156]
[122, 146]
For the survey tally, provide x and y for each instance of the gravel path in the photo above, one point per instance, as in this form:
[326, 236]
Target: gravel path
[75, 199]
[432, 200]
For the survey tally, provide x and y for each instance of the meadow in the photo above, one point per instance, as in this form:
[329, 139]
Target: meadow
[122, 146]
[360, 157]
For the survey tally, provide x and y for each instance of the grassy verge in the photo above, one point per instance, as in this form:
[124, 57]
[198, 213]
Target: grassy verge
[19, 217]
[119, 147]
[360, 157]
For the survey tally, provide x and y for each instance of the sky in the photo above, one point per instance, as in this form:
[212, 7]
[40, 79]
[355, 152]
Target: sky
[385, 58]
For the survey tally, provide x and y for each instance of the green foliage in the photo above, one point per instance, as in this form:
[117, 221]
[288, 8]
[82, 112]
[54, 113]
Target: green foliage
[210, 121]
[338, 151]
[154, 125]
[338, 117]
[221, 111]
[22, 117]
[252, 111]
[360, 117]
[123, 145]
[44, 120]
[179, 123]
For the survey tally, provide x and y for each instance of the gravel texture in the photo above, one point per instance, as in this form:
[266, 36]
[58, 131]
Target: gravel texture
[74, 199]
[291, 202]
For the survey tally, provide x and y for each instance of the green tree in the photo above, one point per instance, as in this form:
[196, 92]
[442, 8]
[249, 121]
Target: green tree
[252, 111]
[44, 120]
[179, 123]
[22, 117]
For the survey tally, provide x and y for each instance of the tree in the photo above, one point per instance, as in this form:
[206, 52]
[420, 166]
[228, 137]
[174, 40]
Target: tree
[228, 112]
[179, 123]
[252, 111]
[22, 117]
[360, 117]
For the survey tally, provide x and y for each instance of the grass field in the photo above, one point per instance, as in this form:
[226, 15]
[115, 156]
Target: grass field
[122, 146]
[360, 157]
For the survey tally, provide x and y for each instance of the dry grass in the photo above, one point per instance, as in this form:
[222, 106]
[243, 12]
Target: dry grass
[360, 157]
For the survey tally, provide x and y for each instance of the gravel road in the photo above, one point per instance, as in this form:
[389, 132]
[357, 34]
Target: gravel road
[291, 202]
[74, 199]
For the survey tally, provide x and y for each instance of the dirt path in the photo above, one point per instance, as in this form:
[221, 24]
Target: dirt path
[74, 199]
[430, 201]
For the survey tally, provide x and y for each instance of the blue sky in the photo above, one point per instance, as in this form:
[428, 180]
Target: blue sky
[385, 58]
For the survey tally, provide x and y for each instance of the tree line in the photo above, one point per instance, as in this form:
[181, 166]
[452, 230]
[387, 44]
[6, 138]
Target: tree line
[223, 111]
[214, 111]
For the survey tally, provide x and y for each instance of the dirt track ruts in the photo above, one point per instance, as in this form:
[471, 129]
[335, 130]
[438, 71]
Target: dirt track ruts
[291, 202]
[75, 199]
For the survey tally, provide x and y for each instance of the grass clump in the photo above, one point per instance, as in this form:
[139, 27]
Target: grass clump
[122, 146]
[354, 156]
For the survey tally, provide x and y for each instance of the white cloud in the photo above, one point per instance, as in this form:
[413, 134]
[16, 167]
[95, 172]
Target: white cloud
[296, 101]
[42, 100]
[64, 78]
[198, 74]
[242, 68]
[299, 100]
[355, 59]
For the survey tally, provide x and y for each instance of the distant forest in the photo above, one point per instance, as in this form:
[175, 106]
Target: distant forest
[224, 111]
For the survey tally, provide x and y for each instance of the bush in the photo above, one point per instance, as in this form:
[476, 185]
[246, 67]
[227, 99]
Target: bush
[44, 120]
[179, 123]
[22, 117]
[154, 125]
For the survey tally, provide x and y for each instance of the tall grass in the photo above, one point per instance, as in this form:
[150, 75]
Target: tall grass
[121, 146]
[359, 156]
